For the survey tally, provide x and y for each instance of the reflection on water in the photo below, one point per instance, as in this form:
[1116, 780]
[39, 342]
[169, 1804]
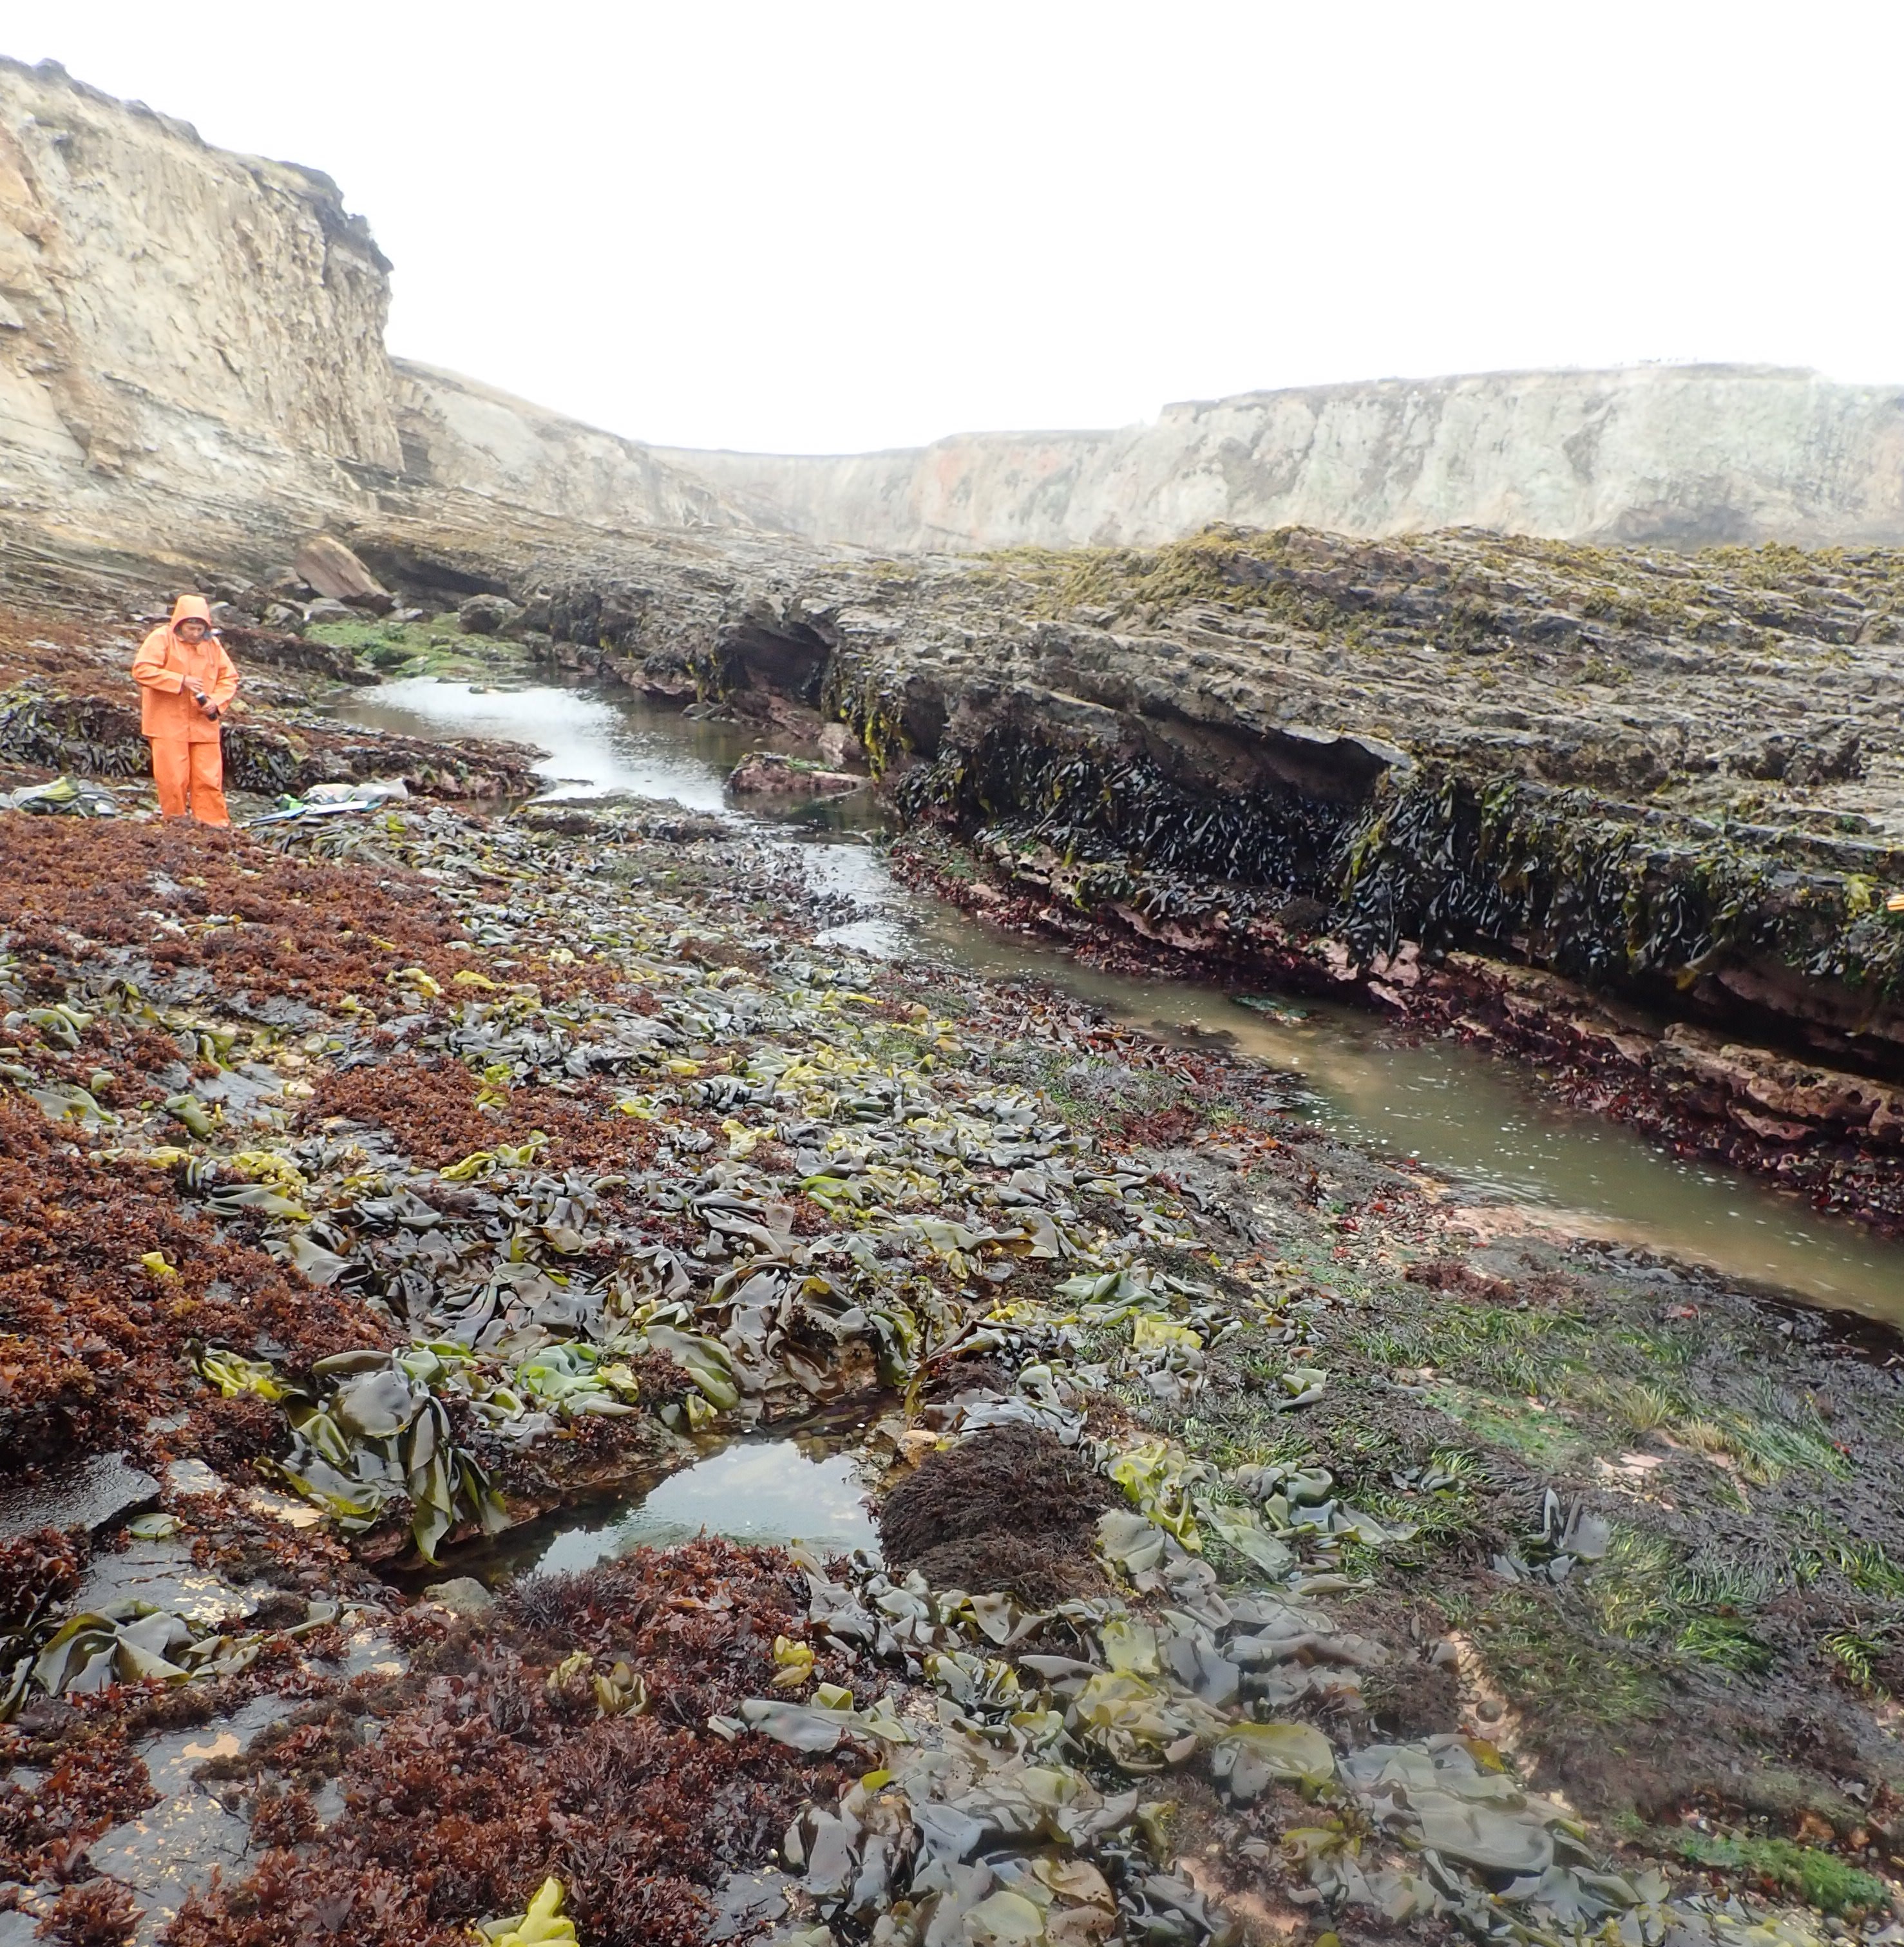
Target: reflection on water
[886, 926]
[1464, 1114]
[1475, 1119]
[759, 1490]
[596, 746]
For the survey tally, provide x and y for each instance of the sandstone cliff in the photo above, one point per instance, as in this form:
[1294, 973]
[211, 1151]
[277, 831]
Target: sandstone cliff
[192, 362]
[1684, 454]
[175, 319]
[192, 355]
[459, 435]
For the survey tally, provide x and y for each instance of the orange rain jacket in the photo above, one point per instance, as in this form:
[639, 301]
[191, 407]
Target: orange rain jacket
[167, 670]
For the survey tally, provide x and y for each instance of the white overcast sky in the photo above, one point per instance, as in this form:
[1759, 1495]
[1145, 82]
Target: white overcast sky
[827, 227]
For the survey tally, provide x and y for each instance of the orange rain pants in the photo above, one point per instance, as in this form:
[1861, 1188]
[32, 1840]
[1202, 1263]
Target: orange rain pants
[187, 756]
[190, 778]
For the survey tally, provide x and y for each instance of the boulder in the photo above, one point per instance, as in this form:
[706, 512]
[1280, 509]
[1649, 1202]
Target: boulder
[326, 610]
[762, 772]
[839, 748]
[462, 1595]
[332, 570]
[487, 614]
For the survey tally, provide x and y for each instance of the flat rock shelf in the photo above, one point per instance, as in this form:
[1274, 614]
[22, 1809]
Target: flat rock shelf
[814, 1375]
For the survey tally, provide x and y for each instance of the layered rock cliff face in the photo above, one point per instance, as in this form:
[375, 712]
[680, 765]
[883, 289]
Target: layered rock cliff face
[191, 356]
[1687, 455]
[457, 434]
[192, 362]
[176, 322]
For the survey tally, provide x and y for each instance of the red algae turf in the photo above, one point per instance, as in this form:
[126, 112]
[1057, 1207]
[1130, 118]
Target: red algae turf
[92, 1343]
[489, 1770]
[433, 1111]
[302, 927]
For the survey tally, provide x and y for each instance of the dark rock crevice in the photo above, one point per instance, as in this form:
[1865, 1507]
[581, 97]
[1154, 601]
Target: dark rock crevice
[785, 653]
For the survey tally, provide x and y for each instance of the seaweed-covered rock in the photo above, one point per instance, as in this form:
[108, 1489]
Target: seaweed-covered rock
[487, 614]
[1008, 1508]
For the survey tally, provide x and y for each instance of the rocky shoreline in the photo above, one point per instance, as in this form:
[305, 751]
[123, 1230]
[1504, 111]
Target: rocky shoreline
[1657, 871]
[554, 1133]
[1635, 816]
[1277, 1543]
[382, 1184]
[1699, 1094]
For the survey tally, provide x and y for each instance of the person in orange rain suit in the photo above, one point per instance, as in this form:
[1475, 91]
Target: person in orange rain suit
[186, 679]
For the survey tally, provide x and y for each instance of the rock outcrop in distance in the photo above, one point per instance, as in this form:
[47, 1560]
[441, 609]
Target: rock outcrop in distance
[1688, 456]
[458, 434]
[193, 363]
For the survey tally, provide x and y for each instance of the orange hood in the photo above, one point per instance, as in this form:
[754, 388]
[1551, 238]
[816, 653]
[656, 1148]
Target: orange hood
[191, 609]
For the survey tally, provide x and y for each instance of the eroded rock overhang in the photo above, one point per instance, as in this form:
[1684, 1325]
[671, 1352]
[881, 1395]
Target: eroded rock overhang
[1669, 782]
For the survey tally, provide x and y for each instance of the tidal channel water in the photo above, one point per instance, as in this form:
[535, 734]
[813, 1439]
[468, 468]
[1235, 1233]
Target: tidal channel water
[1468, 1117]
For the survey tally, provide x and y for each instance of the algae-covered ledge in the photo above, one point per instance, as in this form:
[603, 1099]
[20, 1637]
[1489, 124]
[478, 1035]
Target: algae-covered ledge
[1329, 1570]
[1630, 816]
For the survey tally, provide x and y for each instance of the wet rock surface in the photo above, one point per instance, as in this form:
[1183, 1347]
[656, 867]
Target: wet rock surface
[168, 1854]
[325, 565]
[377, 1183]
[95, 1492]
[771, 773]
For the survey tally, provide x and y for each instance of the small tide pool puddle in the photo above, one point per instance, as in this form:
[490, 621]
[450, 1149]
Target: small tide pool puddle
[773, 1492]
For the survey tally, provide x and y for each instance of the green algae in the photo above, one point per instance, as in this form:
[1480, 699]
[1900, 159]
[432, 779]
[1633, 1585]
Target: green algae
[434, 646]
[1820, 1879]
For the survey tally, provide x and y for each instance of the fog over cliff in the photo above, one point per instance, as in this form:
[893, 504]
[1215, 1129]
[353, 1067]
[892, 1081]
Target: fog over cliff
[192, 354]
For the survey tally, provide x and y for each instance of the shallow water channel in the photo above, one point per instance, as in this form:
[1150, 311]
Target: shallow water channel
[1468, 1117]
